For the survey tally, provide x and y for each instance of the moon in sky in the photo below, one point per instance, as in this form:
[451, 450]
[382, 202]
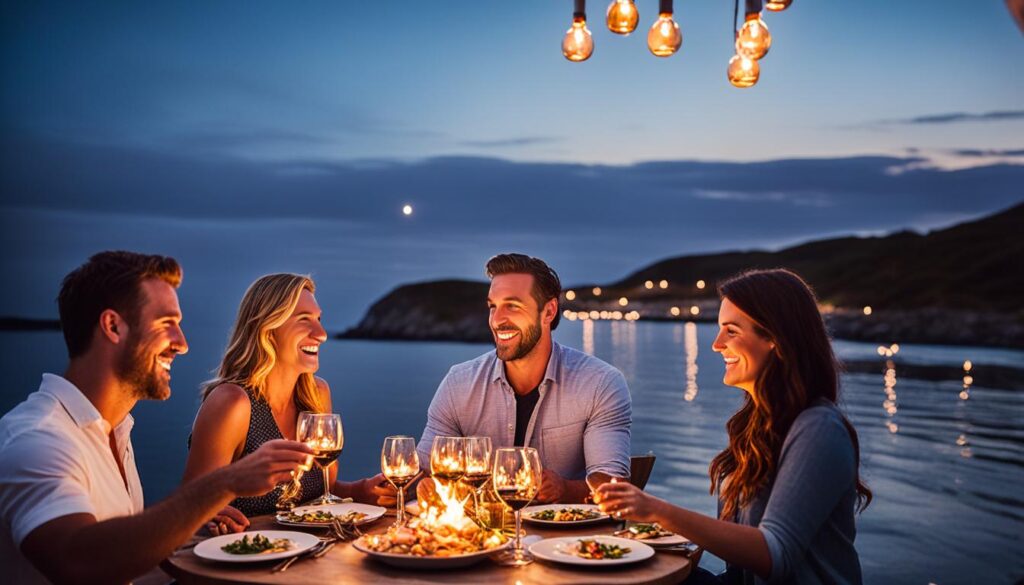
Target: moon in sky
[407, 209]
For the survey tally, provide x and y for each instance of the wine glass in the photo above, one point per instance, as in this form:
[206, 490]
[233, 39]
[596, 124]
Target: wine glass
[400, 464]
[448, 458]
[291, 489]
[324, 435]
[478, 466]
[596, 479]
[517, 477]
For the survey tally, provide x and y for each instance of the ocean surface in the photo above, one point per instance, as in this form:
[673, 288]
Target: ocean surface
[946, 464]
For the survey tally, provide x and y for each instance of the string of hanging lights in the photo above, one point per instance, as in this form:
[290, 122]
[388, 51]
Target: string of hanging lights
[752, 39]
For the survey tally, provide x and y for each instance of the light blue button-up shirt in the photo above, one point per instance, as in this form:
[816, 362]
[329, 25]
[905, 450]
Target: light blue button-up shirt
[579, 426]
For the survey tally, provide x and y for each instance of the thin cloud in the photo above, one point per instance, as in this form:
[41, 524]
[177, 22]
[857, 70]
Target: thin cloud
[957, 117]
[511, 142]
[974, 152]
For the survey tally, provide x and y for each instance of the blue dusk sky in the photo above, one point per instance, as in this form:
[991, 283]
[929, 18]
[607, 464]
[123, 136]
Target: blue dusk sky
[248, 137]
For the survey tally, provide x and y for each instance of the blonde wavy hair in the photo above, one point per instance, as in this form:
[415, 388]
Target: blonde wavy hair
[251, 353]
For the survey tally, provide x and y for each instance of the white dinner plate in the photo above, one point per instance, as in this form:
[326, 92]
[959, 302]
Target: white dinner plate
[529, 511]
[372, 513]
[210, 548]
[662, 541]
[556, 550]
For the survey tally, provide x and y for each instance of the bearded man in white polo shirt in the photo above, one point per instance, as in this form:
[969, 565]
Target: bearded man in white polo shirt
[71, 506]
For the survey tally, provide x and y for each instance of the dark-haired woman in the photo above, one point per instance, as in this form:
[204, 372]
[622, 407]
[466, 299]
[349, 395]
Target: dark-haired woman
[788, 484]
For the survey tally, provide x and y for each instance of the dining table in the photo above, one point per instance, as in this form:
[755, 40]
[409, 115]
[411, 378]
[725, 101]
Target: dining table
[345, 564]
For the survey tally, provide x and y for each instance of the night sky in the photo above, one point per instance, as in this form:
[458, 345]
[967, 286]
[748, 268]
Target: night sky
[245, 138]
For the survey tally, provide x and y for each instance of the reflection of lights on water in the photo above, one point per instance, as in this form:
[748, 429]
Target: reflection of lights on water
[570, 295]
[663, 284]
[588, 337]
[889, 404]
[596, 291]
[965, 392]
[888, 351]
[961, 440]
[690, 345]
[701, 284]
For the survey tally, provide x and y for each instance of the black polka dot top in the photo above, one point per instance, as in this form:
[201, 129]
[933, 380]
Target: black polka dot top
[263, 428]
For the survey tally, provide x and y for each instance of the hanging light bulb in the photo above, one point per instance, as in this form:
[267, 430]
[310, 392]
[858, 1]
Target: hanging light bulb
[777, 5]
[664, 38]
[754, 39]
[578, 44]
[622, 17]
[743, 71]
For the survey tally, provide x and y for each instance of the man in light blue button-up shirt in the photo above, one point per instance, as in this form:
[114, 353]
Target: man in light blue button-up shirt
[574, 408]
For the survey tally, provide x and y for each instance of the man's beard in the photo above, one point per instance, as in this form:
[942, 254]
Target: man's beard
[137, 371]
[527, 341]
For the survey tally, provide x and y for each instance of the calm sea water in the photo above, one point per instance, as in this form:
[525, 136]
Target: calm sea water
[946, 472]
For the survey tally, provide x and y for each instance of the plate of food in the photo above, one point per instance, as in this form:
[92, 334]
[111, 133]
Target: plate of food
[418, 546]
[591, 551]
[564, 514]
[321, 516]
[652, 534]
[255, 546]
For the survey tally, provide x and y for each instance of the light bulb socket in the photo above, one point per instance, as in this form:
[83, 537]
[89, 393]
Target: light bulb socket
[753, 6]
[579, 9]
[664, 6]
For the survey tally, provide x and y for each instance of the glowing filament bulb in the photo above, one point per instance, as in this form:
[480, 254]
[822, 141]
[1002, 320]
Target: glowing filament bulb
[622, 17]
[743, 71]
[754, 40]
[664, 38]
[578, 44]
[777, 5]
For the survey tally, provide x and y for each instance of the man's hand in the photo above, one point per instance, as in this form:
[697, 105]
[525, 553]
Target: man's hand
[260, 471]
[552, 488]
[226, 521]
[377, 490]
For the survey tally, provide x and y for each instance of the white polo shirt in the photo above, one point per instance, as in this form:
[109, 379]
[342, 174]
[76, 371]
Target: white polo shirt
[55, 460]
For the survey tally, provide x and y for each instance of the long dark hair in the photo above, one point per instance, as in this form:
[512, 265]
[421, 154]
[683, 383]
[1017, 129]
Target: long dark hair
[800, 370]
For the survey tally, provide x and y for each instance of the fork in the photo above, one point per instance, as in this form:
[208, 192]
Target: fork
[345, 532]
[316, 552]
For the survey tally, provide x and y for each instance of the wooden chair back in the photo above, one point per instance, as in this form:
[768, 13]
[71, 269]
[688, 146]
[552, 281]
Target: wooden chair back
[640, 467]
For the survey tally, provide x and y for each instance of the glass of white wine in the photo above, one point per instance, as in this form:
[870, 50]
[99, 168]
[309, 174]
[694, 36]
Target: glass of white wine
[400, 464]
[323, 433]
[516, 477]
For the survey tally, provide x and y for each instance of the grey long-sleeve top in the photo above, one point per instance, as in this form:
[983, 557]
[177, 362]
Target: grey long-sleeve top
[807, 514]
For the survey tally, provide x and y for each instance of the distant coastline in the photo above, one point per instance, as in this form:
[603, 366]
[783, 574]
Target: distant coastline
[955, 286]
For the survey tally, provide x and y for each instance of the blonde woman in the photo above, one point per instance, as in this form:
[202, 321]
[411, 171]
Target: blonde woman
[265, 380]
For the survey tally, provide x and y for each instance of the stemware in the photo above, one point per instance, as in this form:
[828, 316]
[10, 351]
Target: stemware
[400, 464]
[478, 466]
[324, 435]
[448, 458]
[516, 478]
